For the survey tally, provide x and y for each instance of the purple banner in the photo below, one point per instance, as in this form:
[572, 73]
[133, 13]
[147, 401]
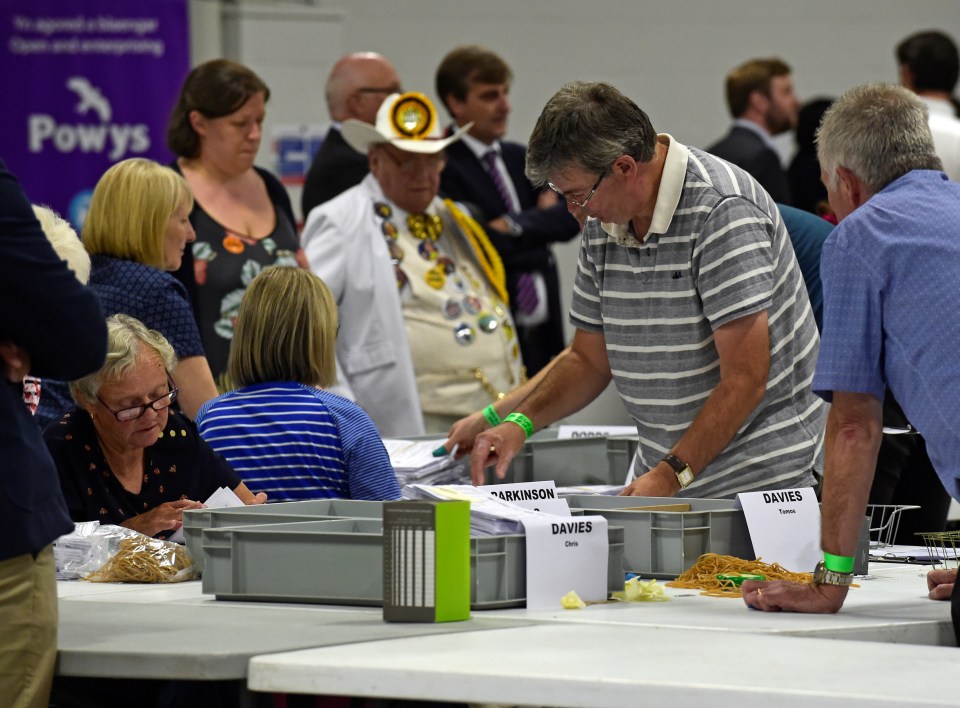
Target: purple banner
[87, 83]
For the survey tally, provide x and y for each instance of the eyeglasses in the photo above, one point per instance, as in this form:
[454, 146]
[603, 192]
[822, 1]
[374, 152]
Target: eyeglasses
[125, 415]
[408, 165]
[576, 202]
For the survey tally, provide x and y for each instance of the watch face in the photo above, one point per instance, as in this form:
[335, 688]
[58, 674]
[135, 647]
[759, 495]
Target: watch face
[685, 477]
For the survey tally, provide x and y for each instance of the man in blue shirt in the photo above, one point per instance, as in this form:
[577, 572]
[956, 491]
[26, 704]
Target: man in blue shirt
[891, 282]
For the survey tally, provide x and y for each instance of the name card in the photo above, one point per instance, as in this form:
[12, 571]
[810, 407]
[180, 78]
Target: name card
[568, 432]
[784, 527]
[564, 555]
[537, 496]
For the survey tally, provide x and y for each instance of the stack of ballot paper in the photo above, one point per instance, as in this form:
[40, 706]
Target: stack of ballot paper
[489, 515]
[414, 463]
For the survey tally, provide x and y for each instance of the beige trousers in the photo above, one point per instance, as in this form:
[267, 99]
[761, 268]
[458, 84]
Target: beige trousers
[28, 628]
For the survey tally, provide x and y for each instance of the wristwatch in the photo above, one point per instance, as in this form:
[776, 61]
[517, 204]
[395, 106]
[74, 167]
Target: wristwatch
[681, 469]
[822, 576]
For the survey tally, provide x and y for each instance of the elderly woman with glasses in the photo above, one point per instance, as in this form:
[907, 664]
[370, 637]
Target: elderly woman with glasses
[125, 456]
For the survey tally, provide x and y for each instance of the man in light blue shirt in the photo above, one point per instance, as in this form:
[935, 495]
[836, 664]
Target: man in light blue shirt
[891, 283]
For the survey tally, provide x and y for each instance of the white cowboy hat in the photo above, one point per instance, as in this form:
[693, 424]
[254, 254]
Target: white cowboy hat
[406, 120]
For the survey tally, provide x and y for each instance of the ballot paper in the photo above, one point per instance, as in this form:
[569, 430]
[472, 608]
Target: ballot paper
[608, 490]
[414, 463]
[220, 499]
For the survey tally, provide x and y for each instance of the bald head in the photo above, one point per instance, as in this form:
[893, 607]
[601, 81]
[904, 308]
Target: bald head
[357, 85]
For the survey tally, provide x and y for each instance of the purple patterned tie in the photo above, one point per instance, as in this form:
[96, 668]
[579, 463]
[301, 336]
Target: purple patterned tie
[490, 161]
[527, 299]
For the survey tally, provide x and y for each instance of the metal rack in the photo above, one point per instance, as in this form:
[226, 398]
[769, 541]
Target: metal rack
[943, 547]
[884, 522]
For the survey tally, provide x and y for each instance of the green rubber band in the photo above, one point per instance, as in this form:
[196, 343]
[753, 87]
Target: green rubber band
[490, 413]
[838, 564]
[521, 420]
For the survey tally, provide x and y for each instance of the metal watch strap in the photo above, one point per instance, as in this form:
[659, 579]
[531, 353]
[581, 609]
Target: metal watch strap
[822, 576]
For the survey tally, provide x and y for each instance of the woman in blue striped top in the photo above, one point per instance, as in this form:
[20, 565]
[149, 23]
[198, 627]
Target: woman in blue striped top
[279, 430]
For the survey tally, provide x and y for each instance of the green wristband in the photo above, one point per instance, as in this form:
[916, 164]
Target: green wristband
[837, 564]
[521, 420]
[490, 413]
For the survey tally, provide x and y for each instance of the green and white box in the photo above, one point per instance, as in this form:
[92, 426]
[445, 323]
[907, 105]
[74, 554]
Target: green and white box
[426, 561]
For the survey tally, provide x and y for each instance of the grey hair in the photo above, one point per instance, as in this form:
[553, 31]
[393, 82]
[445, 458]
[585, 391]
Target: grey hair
[588, 125]
[877, 131]
[127, 337]
[65, 241]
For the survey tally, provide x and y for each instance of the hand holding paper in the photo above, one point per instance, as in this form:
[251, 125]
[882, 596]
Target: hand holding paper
[220, 499]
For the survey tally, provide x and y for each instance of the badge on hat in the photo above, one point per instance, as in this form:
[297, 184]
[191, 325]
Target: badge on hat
[413, 116]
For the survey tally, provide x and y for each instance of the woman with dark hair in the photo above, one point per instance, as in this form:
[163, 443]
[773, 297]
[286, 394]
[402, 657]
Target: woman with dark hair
[242, 215]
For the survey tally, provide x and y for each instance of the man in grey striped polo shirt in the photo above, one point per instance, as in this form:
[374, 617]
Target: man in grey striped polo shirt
[688, 295]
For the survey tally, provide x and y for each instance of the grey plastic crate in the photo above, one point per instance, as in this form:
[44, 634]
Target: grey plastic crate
[341, 562]
[195, 521]
[663, 544]
[620, 452]
[569, 463]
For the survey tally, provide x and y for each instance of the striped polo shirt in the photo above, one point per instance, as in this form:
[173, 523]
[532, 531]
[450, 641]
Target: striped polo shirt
[717, 251]
[296, 442]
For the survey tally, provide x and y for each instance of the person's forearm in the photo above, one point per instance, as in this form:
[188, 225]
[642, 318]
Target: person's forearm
[725, 410]
[854, 432]
[570, 382]
[193, 377]
[509, 402]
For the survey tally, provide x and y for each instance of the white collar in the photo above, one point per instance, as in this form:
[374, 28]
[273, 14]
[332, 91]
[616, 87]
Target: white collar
[939, 107]
[479, 148]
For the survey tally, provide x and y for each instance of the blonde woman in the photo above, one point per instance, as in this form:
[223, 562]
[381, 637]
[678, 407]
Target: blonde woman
[280, 431]
[136, 231]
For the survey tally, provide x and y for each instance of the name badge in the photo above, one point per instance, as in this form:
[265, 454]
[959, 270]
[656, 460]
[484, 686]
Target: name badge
[784, 526]
[565, 554]
[536, 496]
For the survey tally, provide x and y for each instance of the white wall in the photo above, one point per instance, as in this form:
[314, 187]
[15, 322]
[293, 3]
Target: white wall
[670, 57]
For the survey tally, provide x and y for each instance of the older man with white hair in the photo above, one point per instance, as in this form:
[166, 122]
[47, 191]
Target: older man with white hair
[890, 272]
[426, 335]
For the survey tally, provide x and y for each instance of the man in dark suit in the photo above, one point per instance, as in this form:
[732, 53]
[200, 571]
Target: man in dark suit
[763, 104]
[487, 173]
[357, 85]
[52, 326]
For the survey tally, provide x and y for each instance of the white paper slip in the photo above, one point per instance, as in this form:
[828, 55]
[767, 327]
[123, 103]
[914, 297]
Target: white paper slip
[220, 499]
[538, 496]
[784, 527]
[565, 554]
[568, 432]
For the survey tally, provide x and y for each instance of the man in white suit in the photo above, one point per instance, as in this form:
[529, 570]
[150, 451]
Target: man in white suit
[426, 335]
